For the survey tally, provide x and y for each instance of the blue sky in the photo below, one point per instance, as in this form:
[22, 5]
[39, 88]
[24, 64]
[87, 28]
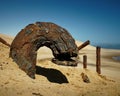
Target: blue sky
[94, 20]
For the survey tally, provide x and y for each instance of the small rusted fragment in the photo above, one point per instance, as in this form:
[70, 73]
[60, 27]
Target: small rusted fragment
[85, 78]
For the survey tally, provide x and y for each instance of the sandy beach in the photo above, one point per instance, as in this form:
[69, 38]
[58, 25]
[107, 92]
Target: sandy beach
[56, 80]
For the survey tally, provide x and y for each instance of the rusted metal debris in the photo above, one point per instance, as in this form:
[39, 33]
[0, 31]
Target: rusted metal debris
[25, 45]
[4, 42]
[84, 45]
[85, 78]
[85, 61]
[98, 60]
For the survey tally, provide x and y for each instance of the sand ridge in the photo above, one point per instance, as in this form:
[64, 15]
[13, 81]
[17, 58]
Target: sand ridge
[56, 80]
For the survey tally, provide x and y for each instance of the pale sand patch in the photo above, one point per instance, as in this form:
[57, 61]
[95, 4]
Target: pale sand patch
[14, 82]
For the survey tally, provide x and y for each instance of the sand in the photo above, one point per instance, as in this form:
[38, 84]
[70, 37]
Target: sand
[56, 80]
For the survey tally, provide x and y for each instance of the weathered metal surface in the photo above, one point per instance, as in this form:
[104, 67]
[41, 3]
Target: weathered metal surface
[25, 45]
[85, 78]
[4, 42]
[98, 60]
[84, 45]
[85, 61]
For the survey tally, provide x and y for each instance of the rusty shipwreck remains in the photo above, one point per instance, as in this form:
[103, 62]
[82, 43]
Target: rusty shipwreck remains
[24, 47]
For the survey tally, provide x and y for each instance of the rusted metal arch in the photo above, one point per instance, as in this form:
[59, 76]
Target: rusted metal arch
[25, 45]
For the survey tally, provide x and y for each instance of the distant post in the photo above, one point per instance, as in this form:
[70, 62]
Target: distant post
[84, 61]
[98, 60]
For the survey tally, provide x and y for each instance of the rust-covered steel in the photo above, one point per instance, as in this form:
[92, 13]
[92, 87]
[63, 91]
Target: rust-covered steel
[84, 45]
[4, 42]
[85, 61]
[25, 45]
[98, 60]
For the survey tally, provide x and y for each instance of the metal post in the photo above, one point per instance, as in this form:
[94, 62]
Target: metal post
[4, 42]
[84, 61]
[84, 44]
[98, 61]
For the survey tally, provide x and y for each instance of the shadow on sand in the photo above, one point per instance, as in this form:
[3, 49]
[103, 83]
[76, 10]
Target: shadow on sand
[52, 75]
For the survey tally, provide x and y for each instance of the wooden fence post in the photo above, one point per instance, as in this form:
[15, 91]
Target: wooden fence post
[98, 60]
[84, 61]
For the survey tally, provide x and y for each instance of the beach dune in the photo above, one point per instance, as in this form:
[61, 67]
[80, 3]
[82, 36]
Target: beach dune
[56, 80]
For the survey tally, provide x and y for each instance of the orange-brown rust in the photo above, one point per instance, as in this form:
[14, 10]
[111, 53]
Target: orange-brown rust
[32, 37]
[4, 42]
[84, 45]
